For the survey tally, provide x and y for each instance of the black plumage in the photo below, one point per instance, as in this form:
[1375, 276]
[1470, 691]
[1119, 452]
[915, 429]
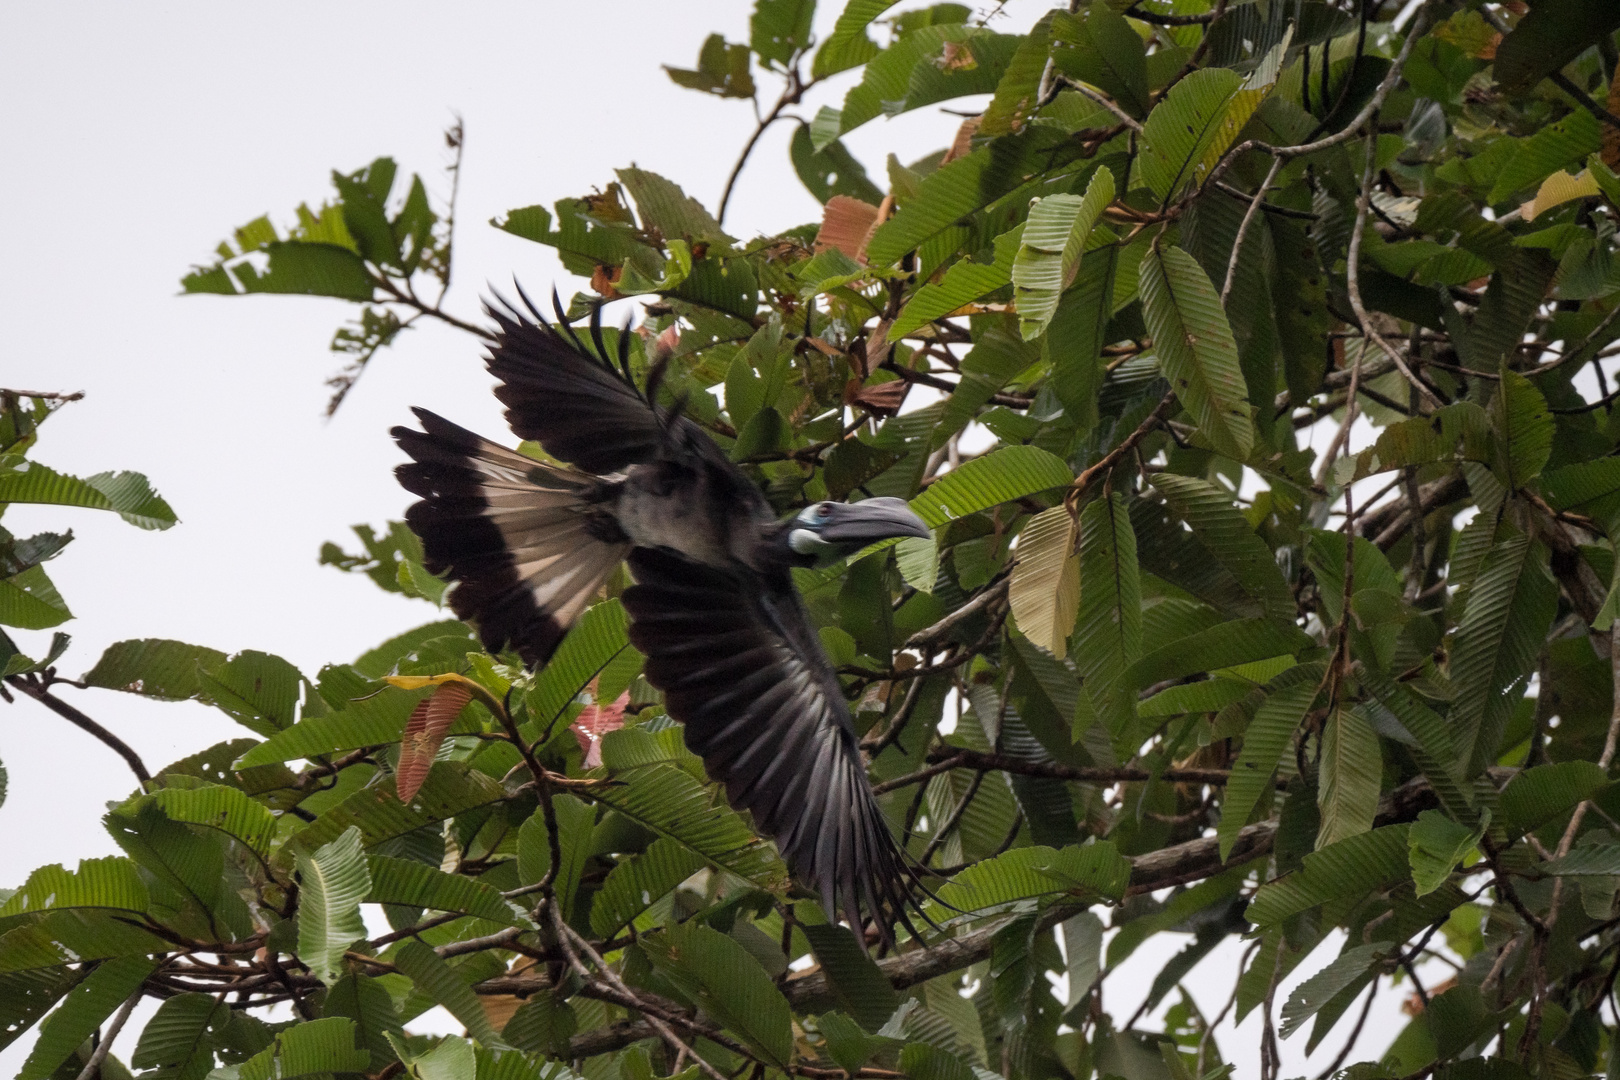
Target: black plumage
[529, 544]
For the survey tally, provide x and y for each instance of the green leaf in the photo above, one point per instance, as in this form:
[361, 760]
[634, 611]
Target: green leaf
[666, 799]
[29, 600]
[1351, 767]
[722, 979]
[1436, 844]
[1225, 645]
[964, 282]
[723, 70]
[1195, 348]
[830, 169]
[366, 1001]
[1547, 792]
[1268, 735]
[372, 721]
[1524, 429]
[1024, 873]
[1184, 126]
[1453, 433]
[82, 1012]
[664, 206]
[921, 1061]
[640, 881]
[257, 690]
[575, 821]
[596, 638]
[1101, 49]
[333, 881]
[128, 494]
[1549, 36]
[1586, 860]
[848, 46]
[308, 269]
[313, 1047]
[779, 28]
[1243, 104]
[926, 65]
[1207, 510]
[1017, 95]
[154, 667]
[1045, 588]
[1345, 870]
[439, 981]
[859, 985]
[452, 787]
[1551, 148]
[178, 1040]
[1347, 969]
[1049, 255]
[847, 1043]
[188, 863]
[110, 883]
[414, 884]
[1510, 606]
[1003, 475]
[957, 190]
[1108, 633]
[227, 809]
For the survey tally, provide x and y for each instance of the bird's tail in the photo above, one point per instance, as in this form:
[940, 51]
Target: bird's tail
[528, 544]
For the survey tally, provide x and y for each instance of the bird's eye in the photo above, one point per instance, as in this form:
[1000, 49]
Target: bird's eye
[824, 510]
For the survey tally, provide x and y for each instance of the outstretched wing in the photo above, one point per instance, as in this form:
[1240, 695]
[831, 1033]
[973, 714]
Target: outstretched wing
[742, 669]
[571, 402]
[525, 543]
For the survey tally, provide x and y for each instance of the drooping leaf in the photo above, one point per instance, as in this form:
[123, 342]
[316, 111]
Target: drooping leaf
[1000, 476]
[128, 494]
[333, 881]
[1184, 126]
[848, 45]
[1347, 869]
[1226, 533]
[111, 883]
[424, 731]
[414, 884]
[1436, 843]
[309, 1048]
[1524, 429]
[727, 983]
[598, 636]
[178, 1040]
[1196, 351]
[1265, 740]
[82, 1012]
[1045, 588]
[1350, 766]
[1346, 970]
[639, 881]
[1545, 792]
[860, 986]
[441, 983]
[1053, 242]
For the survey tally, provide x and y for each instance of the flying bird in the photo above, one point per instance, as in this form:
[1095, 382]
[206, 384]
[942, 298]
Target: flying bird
[528, 545]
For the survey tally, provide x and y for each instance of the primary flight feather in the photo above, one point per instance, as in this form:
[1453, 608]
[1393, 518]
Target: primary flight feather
[713, 607]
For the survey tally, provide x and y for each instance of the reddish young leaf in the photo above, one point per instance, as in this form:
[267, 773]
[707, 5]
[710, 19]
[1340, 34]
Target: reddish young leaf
[597, 720]
[846, 223]
[424, 732]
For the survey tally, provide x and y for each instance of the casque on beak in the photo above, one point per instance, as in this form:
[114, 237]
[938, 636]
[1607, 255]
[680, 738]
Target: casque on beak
[872, 520]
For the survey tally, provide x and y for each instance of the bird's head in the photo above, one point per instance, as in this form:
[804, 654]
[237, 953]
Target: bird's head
[825, 531]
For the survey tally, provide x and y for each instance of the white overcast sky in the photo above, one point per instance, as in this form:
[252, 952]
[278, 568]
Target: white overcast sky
[139, 136]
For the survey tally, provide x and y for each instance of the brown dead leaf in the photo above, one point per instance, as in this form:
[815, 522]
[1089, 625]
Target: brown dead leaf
[956, 56]
[845, 224]
[962, 145]
[883, 399]
[603, 279]
[419, 744]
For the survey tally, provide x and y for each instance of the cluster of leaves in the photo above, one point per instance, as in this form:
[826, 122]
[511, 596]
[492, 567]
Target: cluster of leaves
[1162, 662]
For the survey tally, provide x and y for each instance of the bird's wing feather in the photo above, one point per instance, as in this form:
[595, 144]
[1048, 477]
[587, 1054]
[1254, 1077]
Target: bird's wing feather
[742, 669]
[576, 405]
[520, 538]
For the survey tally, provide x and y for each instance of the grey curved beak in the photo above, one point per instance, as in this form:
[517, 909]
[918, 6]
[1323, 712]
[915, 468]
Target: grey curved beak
[872, 520]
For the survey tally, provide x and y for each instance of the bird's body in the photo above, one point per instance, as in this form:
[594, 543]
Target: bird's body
[714, 608]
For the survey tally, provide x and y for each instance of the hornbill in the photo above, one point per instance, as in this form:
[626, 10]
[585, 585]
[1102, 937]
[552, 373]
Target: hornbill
[713, 608]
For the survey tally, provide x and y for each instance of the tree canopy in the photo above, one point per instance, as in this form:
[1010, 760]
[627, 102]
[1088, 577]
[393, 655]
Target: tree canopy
[1248, 360]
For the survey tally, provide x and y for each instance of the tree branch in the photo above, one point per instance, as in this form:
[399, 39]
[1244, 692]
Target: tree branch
[30, 685]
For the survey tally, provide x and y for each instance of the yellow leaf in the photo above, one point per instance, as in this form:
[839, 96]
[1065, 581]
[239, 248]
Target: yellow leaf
[1045, 588]
[1560, 188]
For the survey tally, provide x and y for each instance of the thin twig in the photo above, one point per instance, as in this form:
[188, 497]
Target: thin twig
[1248, 216]
[1105, 101]
[104, 1044]
[792, 93]
[566, 934]
[1353, 277]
